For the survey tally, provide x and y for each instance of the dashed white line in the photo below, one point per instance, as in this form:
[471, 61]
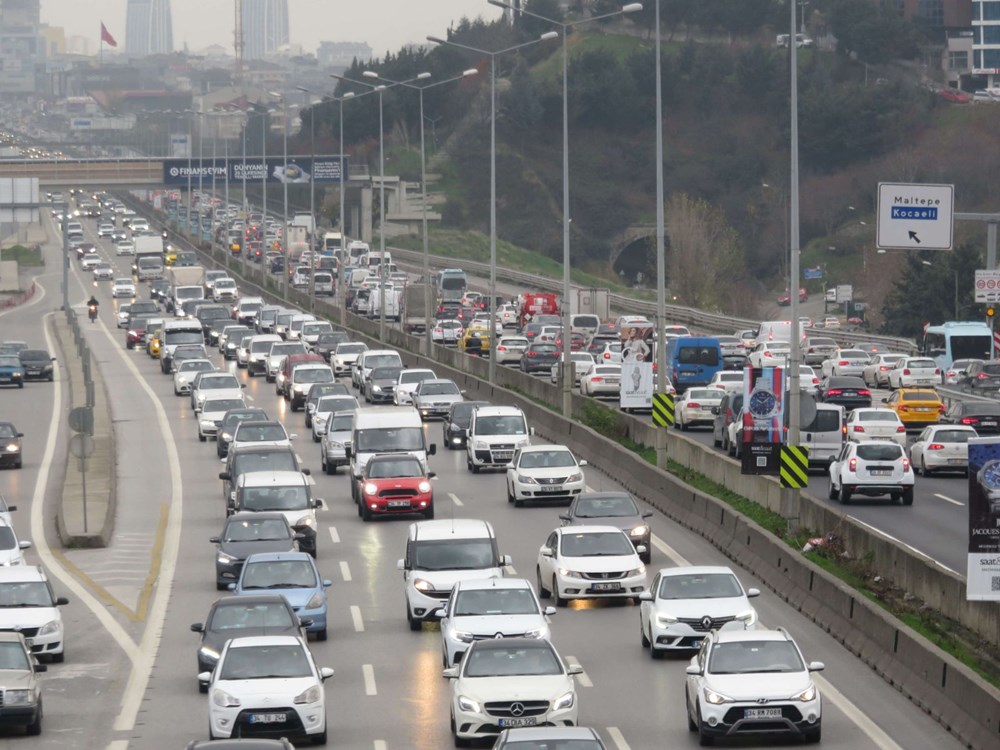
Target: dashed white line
[345, 570]
[454, 499]
[334, 535]
[949, 500]
[583, 678]
[118, 745]
[381, 745]
[616, 736]
[510, 569]
[359, 624]
[369, 673]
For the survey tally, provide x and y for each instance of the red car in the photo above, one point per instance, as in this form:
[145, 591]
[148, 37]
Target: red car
[953, 96]
[394, 484]
[577, 342]
[785, 298]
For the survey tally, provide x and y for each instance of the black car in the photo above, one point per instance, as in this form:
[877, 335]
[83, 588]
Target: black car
[317, 392]
[448, 311]
[381, 383]
[234, 342]
[982, 416]
[982, 376]
[612, 509]
[158, 289]
[190, 307]
[243, 535]
[539, 357]
[327, 342]
[277, 264]
[239, 616]
[848, 391]
[227, 427]
[10, 445]
[735, 362]
[37, 364]
[149, 308]
[456, 422]
[212, 319]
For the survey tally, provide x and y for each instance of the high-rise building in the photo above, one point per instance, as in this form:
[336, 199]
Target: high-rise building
[265, 27]
[19, 33]
[986, 40]
[148, 28]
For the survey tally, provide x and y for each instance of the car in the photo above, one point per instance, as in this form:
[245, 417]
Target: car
[510, 349]
[752, 683]
[686, 603]
[982, 416]
[11, 371]
[29, 605]
[293, 575]
[13, 347]
[298, 377]
[122, 315]
[875, 424]
[873, 469]
[407, 380]
[727, 381]
[10, 445]
[326, 343]
[612, 509]
[345, 355]
[817, 349]
[124, 287]
[381, 384]
[19, 684]
[504, 683]
[257, 674]
[455, 424]
[105, 230]
[475, 340]
[480, 609]
[981, 377]
[942, 447]
[225, 289]
[186, 371]
[770, 354]
[433, 398]
[318, 391]
[216, 385]
[589, 562]
[603, 381]
[124, 247]
[244, 534]
[394, 484]
[846, 390]
[544, 473]
[846, 362]
[911, 372]
[211, 414]
[528, 738]
[274, 359]
[119, 235]
[226, 332]
[269, 433]
[236, 616]
[36, 364]
[916, 407]
[230, 420]
[955, 374]
[606, 350]
[11, 549]
[102, 271]
[831, 322]
[953, 96]
[583, 363]
[539, 357]
[336, 441]
[876, 372]
[184, 352]
[694, 408]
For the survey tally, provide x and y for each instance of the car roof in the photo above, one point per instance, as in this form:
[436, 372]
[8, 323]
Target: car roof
[744, 636]
[271, 478]
[493, 583]
[245, 515]
[498, 644]
[544, 448]
[22, 573]
[498, 411]
[530, 734]
[11, 636]
[278, 557]
[446, 528]
[695, 570]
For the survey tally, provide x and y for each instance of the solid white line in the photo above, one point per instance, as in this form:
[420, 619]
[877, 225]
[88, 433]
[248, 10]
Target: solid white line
[454, 499]
[369, 672]
[359, 624]
[910, 547]
[860, 719]
[345, 570]
[948, 499]
[334, 536]
[583, 678]
[669, 551]
[381, 745]
[616, 736]
[118, 745]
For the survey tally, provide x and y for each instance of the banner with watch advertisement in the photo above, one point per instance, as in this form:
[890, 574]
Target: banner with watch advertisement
[763, 420]
[983, 573]
[637, 385]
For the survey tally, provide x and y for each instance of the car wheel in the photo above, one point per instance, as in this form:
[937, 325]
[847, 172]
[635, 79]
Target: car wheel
[415, 624]
[319, 739]
[543, 592]
[692, 724]
[309, 422]
[202, 438]
[908, 495]
[704, 739]
[35, 728]
[845, 495]
[727, 446]
[315, 438]
[429, 513]
[510, 495]
[715, 441]
[366, 512]
[832, 492]
[646, 557]
[475, 469]
[321, 635]
[327, 467]
[560, 602]
[923, 467]
[643, 639]
[202, 687]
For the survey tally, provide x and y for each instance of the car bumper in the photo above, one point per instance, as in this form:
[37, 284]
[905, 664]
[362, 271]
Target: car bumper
[942, 463]
[38, 374]
[336, 457]
[237, 722]
[17, 716]
[423, 606]
[184, 388]
[679, 636]
[727, 720]
[227, 572]
[872, 489]
[498, 459]
[542, 492]
[912, 422]
[380, 506]
[473, 725]
[255, 365]
[581, 588]
[434, 411]
[380, 398]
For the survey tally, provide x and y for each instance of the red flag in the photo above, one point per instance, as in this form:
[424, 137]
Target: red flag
[106, 36]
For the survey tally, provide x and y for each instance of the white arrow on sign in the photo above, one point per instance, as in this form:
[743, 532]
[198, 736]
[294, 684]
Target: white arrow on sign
[915, 215]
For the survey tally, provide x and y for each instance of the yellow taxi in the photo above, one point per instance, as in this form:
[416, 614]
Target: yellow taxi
[153, 345]
[170, 256]
[916, 406]
[475, 340]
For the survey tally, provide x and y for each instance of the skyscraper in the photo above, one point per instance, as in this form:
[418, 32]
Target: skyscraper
[265, 27]
[19, 29]
[148, 28]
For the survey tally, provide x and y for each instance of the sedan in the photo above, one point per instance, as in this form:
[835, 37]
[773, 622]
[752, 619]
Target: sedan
[90, 261]
[103, 271]
[539, 357]
[727, 381]
[544, 473]
[942, 448]
[589, 562]
[504, 683]
[916, 407]
[770, 354]
[105, 230]
[257, 674]
[243, 535]
[875, 424]
[270, 433]
[212, 412]
[337, 438]
[124, 247]
[603, 381]
[122, 315]
[876, 372]
[910, 372]
[846, 391]
[846, 362]
[447, 332]
[528, 738]
[123, 288]
[230, 421]
[871, 469]
[293, 575]
[402, 392]
[36, 364]
[612, 509]
[510, 349]
[955, 374]
[433, 398]
[817, 349]
[317, 392]
[215, 385]
[982, 416]
[685, 603]
[455, 424]
[186, 372]
[694, 408]
[583, 364]
[10, 445]
[381, 384]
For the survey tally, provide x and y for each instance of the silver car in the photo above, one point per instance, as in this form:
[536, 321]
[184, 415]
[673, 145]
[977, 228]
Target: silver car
[336, 440]
[326, 407]
[433, 398]
[214, 385]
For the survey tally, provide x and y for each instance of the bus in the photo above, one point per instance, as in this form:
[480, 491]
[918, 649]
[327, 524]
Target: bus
[332, 242]
[452, 284]
[956, 340]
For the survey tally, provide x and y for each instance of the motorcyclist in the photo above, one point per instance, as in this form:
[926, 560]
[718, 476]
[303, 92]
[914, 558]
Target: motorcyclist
[92, 304]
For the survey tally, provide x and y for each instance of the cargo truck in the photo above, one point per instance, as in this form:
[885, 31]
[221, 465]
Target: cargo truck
[414, 317]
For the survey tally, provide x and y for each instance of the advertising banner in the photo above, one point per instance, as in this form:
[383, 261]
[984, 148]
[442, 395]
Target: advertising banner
[637, 385]
[763, 420]
[298, 170]
[983, 574]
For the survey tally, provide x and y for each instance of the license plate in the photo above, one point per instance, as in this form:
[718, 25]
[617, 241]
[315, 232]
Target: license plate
[615, 586]
[4, 379]
[503, 455]
[878, 473]
[399, 503]
[552, 488]
[520, 721]
[924, 408]
[991, 423]
[762, 713]
[955, 461]
[612, 381]
[268, 718]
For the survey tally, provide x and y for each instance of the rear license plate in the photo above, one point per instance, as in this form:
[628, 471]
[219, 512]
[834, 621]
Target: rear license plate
[762, 713]
[956, 461]
[880, 473]
[924, 408]
[613, 381]
[615, 586]
[520, 721]
[552, 488]
[850, 393]
[268, 718]
[991, 423]
[399, 503]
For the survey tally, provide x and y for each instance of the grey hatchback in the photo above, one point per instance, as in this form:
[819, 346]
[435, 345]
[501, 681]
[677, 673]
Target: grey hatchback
[611, 509]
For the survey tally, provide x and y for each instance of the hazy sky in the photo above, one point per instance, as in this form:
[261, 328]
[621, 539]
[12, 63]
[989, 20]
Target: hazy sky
[384, 24]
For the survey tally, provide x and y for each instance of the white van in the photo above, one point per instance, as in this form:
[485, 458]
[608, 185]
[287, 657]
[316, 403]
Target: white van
[585, 324]
[824, 435]
[495, 432]
[441, 553]
[393, 429]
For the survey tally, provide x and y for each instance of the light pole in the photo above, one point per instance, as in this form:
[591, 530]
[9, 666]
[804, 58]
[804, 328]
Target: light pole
[661, 260]
[312, 197]
[493, 172]
[190, 149]
[343, 229]
[428, 339]
[284, 184]
[567, 366]
[265, 126]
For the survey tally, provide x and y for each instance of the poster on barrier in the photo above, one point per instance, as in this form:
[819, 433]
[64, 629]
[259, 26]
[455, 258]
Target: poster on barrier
[637, 385]
[763, 420]
[983, 572]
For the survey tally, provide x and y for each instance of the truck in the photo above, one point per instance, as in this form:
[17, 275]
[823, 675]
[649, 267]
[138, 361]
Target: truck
[297, 242]
[537, 303]
[393, 303]
[304, 219]
[148, 261]
[148, 245]
[591, 302]
[414, 318]
[186, 275]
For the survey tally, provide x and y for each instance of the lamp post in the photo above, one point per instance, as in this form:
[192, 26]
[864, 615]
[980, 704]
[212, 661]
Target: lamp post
[190, 149]
[493, 169]
[312, 197]
[567, 366]
[661, 260]
[265, 126]
[343, 229]
[428, 339]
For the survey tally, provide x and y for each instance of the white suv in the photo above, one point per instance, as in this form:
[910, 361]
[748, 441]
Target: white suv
[28, 605]
[872, 469]
[875, 424]
[495, 433]
[910, 372]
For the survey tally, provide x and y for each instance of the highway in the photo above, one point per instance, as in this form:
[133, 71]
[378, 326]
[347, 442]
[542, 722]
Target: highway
[133, 665]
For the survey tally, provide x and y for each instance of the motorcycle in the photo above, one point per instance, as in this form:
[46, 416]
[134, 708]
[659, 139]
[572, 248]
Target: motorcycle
[92, 310]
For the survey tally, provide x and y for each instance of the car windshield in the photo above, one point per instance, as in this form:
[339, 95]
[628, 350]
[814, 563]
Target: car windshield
[254, 530]
[283, 350]
[326, 389]
[216, 405]
[32, 355]
[26, 594]
[315, 328]
[239, 616]
[386, 373]
[544, 459]
[699, 586]
[704, 395]
[13, 656]
[215, 384]
[279, 574]
[243, 416]
[617, 506]
[479, 602]
[314, 375]
[453, 554]
[249, 432]
[273, 460]
[511, 662]
[501, 425]
[414, 376]
[275, 498]
[752, 657]
[195, 366]
[350, 348]
[877, 416]
[880, 451]
[342, 422]
[398, 467]
[10, 362]
[595, 544]
[266, 662]
[389, 439]
[182, 337]
[382, 360]
[439, 389]
[982, 408]
[336, 403]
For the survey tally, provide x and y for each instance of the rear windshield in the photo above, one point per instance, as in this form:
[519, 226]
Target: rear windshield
[922, 363]
[953, 436]
[879, 451]
[698, 355]
[826, 420]
[992, 369]
[920, 396]
[878, 416]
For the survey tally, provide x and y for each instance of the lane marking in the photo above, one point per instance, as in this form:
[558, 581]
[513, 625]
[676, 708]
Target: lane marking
[583, 678]
[511, 569]
[927, 558]
[322, 501]
[118, 745]
[949, 500]
[616, 736]
[454, 499]
[369, 673]
[381, 745]
[334, 536]
[677, 558]
[345, 571]
[359, 624]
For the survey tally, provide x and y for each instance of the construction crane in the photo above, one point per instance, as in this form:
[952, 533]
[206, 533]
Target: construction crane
[238, 41]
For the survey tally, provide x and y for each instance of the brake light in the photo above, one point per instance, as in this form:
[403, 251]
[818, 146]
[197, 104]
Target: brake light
[501, 348]
[834, 392]
[906, 464]
[935, 447]
[607, 355]
[694, 405]
[941, 408]
[811, 350]
[969, 420]
[864, 392]
[531, 354]
[853, 464]
[906, 370]
[982, 376]
[767, 353]
[937, 370]
[843, 430]
[883, 368]
[858, 428]
[596, 379]
[901, 428]
[843, 362]
[815, 381]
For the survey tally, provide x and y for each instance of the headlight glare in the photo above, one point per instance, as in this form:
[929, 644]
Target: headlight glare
[421, 585]
[639, 531]
[715, 698]
[806, 695]
[565, 701]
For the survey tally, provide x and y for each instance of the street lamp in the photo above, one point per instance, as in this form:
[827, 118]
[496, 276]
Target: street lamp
[493, 172]
[312, 194]
[568, 368]
[187, 218]
[428, 338]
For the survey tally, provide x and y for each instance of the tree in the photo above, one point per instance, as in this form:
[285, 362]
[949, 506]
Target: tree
[531, 27]
[521, 104]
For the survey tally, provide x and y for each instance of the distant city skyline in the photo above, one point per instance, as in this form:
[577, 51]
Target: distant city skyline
[148, 28]
[265, 27]
[199, 24]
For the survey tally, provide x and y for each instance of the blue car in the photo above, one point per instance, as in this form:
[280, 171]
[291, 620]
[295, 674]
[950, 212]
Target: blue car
[294, 576]
[11, 371]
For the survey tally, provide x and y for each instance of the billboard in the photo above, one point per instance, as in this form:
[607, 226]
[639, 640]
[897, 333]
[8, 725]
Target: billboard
[298, 170]
[763, 418]
[983, 572]
[637, 385]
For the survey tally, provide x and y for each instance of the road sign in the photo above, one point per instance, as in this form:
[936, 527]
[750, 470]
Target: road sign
[663, 409]
[794, 472]
[845, 293]
[987, 286]
[81, 419]
[914, 216]
[81, 445]
[812, 273]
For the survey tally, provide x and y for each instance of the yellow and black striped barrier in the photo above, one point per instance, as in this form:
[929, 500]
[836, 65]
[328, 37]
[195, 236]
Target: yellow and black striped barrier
[794, 470]
[663, 409]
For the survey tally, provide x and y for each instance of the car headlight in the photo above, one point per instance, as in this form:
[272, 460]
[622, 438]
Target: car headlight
[311, 695]
[207, 423]
[577, 477]
[640, 571]
[481, 446]
[224, 700]
[13, 447]
[665, 620]
[376, 388]
[747, 618]
[50, 628]
[370, 489]
[809, 694]
[565, 701]
[464, 636]
[536, 633]
[525, 479]
[213, 333]
[309, 521]
[297, 388]
[424, 487]
[182, 380]
[715, 698]
[225, 436]
[208, 653]
[567, 573]
[316, 601]
[17, 373]
[421, 585]
[226, 559]
[18, 698]
[467, 704]
[639, 531]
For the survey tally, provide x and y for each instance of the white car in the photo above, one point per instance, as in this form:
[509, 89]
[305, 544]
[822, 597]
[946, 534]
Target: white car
[589, 562]
[326, 407]
[808, 380]
[583, 363]
[770, 354]
[602, 381]
[510, 349]
[684, 604]
[510, 682]
[263, 433]
[215, 385]
[942, 447]
[727, 381]
[29, 605]
[344, 357]
[956, 373]
[876, 372]
[212, 276]
[122, 315]
[126, 247]
[544, 473]
[872, 469]
[402, 394]
[212, 412]
[186, 372]
[447, 332]
[695, 407]
[875, 424]
[11, 550]
[105, 230]
[89, 261]
[123, 288]
[490, 608]
[225, 289]
[266, 681]
[846, 362]
[752, 683]
[507, 314]
[911, 372]
[103, 271]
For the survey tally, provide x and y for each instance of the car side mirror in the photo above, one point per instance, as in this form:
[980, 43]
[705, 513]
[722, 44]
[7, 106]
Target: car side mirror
[641, 549]
[549, 611]
[647, 514]
[204, 677]
[816, 666]
[225, 476]
[60, 601]
[348, 453]
[305, 622]
[751, 593]
[325, 673]
[715, 410]
[24, 544]
[508, 465]
[462, 392]
[574, 669]
[565, 517]
[11, 507]
[646, 596]
[441, 613]
[582, 462]
[327, 583]
[215, 539]
[451, 673]
[431, 474]
[693, 669]
[198, 627]
[885, 401]
[243, 385]
[53, 359]
[293, 435]
[41, 667]
[506, 560]
[545, 552]
[432, 449]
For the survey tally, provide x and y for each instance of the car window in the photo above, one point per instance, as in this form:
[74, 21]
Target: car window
[699, 586]
[501, 425]
[826, 420]
[252, 530]
[400, 467]
[698, 355]
[878, 416]
[480, 602]
[919, 396]
[511, 662]
[13, 656]
[242, 616]
[922, 363]
[26, 594]
[991, 369]
[267, 574]
[595, 544]
[453, 554]
[260, 662]
[879, 451]
[952, 436]
[275, 498]
[438, 389]
[257, 433]
[618, 506]
[744, 657]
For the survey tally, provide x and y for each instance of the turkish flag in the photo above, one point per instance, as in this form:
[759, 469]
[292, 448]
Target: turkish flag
[106, 36]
